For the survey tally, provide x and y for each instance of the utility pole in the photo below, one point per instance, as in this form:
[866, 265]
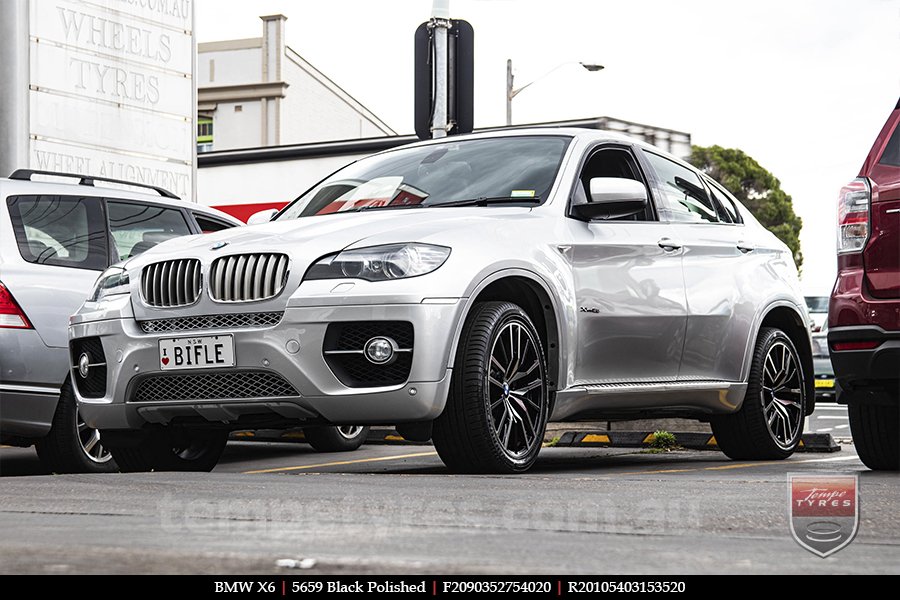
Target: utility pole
[512, 92]
[509, 91]
[440, 22]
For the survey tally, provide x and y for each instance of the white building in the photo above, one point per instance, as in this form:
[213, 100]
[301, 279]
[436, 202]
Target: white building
[99, 88]
[259, 92]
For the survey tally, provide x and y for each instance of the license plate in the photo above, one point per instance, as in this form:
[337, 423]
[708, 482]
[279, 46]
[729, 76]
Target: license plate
[825, 383]
[196, 352]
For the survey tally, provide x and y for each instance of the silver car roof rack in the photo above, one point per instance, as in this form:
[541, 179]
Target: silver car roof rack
[27, 174]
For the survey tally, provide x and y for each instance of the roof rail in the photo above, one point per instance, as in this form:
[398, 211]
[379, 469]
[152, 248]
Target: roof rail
[27, 174]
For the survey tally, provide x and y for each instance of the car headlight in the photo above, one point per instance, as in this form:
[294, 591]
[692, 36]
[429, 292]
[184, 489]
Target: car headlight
[112, 282]
[380, 263]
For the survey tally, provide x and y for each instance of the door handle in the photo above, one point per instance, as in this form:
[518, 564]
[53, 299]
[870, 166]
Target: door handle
[669, 245]
[744, 247]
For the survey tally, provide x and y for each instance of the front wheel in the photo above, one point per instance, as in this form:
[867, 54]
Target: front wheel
[497, 411]
[179, 450]
[342, 438]
[72, 446]
[876, 434]
[769, 424]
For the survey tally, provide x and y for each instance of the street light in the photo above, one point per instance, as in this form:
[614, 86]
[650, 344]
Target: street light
[513, 92]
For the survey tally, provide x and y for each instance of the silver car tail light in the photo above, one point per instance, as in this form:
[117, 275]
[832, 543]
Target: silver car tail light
[247, 277]
[171, 283]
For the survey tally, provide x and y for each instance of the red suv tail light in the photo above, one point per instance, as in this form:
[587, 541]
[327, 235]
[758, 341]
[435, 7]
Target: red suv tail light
[853, 216]
[11, 314]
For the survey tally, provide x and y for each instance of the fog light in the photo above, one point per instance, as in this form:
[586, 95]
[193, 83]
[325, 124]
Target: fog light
[84, 365]
[380, 350]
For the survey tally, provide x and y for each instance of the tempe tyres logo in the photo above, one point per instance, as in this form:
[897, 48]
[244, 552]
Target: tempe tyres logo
[824, 511]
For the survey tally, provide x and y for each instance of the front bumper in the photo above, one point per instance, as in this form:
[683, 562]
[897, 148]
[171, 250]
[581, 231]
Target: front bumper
[824, 378]
[131, 354]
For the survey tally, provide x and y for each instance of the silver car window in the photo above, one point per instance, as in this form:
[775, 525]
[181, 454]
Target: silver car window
[63, 231]
[684, 195]
[138, 227]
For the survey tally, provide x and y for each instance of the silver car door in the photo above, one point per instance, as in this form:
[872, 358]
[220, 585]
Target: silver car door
[719, 271]
[632, 314]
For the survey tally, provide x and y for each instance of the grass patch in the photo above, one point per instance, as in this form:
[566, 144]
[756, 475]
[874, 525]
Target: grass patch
[663, 441]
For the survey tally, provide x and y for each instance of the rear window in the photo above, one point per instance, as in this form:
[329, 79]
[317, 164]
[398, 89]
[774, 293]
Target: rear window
[891, 154]
[63, 231]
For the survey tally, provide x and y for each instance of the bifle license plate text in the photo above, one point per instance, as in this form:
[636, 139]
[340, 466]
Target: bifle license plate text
[196, 352]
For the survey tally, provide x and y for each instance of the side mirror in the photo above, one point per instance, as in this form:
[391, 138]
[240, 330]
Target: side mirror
[611, 198]
[263, 216]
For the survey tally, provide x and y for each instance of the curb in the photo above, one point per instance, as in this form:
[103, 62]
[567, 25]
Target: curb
[811, 442]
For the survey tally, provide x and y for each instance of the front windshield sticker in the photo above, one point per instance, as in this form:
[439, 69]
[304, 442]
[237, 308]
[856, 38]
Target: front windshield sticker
[377, 192]
[521, 194]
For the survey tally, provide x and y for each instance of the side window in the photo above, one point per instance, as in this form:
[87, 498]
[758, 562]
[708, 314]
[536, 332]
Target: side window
[611, 162]
[891, 154]
[137, 227]
[210, 224]
[64, 231]
[728, 212]
[685, 197]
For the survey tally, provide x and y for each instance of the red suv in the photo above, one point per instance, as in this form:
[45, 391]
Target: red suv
[864, 312]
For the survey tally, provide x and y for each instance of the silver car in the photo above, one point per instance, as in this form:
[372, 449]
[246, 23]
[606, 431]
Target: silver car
[468, 290]
[55, 239]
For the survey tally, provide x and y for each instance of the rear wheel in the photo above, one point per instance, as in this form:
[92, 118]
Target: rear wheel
[181, 450]
[342, 438]
[72, 446]
[496, 413]
[769, 424]
[876, 434]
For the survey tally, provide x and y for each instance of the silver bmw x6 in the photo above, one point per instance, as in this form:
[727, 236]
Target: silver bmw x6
[468, 290]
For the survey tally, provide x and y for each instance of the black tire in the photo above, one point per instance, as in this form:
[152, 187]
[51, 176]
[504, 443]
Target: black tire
[336, 439]
[183, 450]
[748, 434]
[72, 446]
[876, 434]
[467, 434]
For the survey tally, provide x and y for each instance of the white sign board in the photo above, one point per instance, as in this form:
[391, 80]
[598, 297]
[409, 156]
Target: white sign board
[112, 90]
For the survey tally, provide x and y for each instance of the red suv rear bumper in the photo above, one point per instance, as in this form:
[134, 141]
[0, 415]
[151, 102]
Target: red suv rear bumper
[871, 327]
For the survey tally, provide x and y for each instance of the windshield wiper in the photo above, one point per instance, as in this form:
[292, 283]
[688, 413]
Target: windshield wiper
[485, 200]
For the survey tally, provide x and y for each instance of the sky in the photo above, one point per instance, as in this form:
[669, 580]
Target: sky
[802, 86]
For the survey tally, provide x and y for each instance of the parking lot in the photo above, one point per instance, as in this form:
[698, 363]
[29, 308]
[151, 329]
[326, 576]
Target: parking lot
[394, 509]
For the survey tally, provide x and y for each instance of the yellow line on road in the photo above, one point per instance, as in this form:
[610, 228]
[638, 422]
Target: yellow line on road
[341, 463]
[745, 465]
[655, 472]
[742, 465]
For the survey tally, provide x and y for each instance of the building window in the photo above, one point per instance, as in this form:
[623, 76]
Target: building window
[204, 134]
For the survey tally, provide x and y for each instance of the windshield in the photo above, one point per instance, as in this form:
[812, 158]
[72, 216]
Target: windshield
[509, 168]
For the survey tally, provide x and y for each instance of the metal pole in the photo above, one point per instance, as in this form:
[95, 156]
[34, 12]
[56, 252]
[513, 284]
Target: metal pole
[440, 23]
[15, 73]
[509, 91]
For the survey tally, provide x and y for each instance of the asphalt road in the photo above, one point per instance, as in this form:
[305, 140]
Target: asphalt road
[830, 418]
[394, 509]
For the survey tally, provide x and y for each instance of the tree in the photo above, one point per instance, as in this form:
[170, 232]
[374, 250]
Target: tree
[756, 188]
